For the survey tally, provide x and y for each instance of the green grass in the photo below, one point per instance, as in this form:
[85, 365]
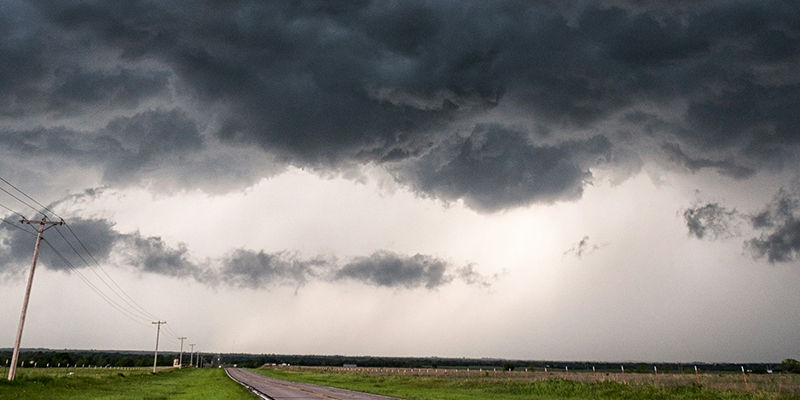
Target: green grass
[188, 383]
[426, 388]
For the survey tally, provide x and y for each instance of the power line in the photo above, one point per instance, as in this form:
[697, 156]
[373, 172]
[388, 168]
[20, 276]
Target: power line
[29, 197]
[9, 209]
[146, 317]
[132, 303]
[19, 227]
[21, 201]
[135, 304]
[105, 297]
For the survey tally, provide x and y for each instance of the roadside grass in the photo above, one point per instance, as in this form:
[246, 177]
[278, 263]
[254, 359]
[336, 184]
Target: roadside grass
[426, 388]
[86, 383]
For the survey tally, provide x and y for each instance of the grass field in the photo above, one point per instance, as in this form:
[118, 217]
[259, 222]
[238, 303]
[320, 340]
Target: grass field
[447, 386]
[133, 383]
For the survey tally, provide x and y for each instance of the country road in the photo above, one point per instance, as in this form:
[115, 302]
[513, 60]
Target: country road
[276, 389]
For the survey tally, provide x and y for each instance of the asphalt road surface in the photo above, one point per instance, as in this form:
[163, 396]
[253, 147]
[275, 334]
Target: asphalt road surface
[276, 389]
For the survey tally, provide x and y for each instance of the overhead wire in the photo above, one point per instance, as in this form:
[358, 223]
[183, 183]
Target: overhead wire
[29, 197]
[19, 227]
[21, 201]
[102, 295]
[13, 224]
[9, 209]
[145, 315]
[132, 303]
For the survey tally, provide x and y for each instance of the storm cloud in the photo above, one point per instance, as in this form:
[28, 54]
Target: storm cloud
[780, 226]
[240, 268]
[448, 89]
[777, 225]
[496, 168]
[711, 221]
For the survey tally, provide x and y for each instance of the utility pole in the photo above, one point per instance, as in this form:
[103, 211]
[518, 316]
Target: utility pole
[191, 355]
[180, 363]
[44, 225]
[158, 332]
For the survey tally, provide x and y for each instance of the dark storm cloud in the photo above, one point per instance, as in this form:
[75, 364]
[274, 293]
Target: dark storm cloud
[152, 254]
[77, 91]
[496, 168]
[724, 167]
[98, 235]
[328, 84]
[254, 270]
[242, 268]
[44, 70]
[126, 149]
[388, 269]
[780, 226]
[146, 138]
[711, 221]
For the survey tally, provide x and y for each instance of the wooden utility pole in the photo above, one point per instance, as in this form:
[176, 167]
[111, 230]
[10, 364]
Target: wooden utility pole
[44, 225]
[158, 332]
[191, 355]
[180, 363]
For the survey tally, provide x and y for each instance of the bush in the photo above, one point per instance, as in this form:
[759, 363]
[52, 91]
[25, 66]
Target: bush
[791, 365]
[508, 367]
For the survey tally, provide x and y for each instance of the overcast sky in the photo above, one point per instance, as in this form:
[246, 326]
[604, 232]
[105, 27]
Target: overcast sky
[597, 180]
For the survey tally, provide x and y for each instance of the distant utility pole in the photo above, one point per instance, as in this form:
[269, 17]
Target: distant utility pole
[191, 355]
[44, 225]
[180, 363]
[158, 332]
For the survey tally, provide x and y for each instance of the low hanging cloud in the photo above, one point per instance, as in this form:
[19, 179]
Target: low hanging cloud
[711, 221]
[241, 268]
[254, 270]
[778, 224]
[388, 269]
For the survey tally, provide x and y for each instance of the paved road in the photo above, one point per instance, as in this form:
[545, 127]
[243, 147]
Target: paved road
[277, 389]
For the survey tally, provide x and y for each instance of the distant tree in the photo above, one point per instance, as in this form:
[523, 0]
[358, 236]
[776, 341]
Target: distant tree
[124, 362]
[531, 368]
[791, 365]
[508, 367]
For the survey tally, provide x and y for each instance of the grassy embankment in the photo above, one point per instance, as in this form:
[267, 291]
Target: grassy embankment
[86, 383]
[427, 388]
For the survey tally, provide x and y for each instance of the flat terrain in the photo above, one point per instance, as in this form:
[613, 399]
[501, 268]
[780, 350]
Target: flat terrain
[483, 385]
[282, 390]
[120, 384]
[410, 384]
